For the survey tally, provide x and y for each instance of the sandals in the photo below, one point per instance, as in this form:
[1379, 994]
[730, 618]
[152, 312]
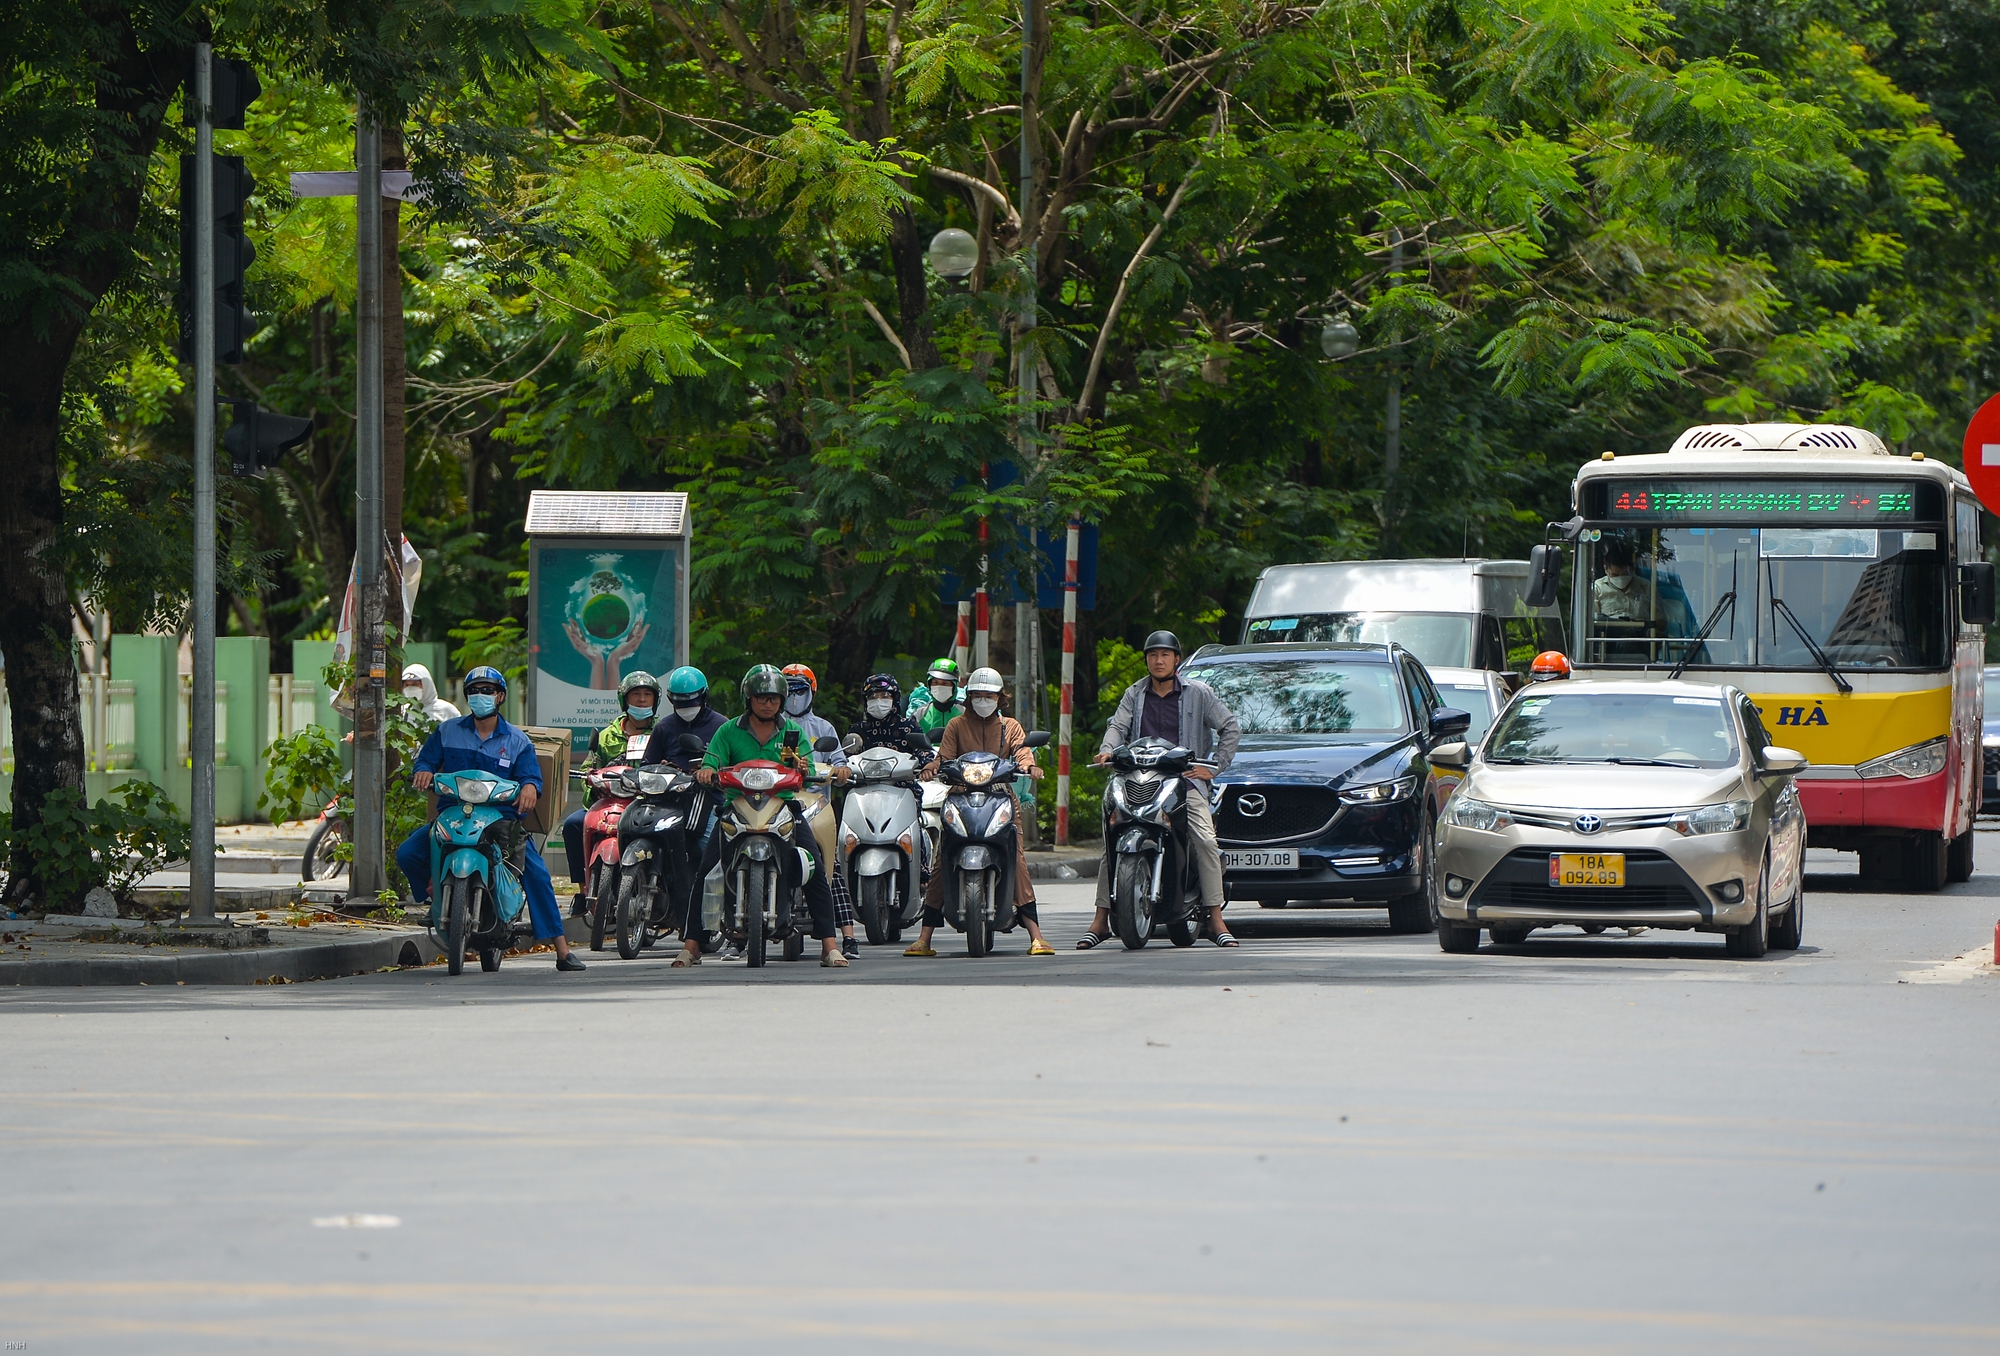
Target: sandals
[832, 960]
[685, 959]
[1091, 940]
[1041, 948]
[1224, 939]
[919, 949]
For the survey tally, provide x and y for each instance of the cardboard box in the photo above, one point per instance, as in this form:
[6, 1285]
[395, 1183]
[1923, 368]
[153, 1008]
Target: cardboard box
[552, 752]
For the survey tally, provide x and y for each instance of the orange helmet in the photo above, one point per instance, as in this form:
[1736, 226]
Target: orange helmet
[1549, 664]
[801, 671]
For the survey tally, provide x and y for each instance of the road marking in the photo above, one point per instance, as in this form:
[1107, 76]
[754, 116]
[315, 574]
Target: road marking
[1978, 961]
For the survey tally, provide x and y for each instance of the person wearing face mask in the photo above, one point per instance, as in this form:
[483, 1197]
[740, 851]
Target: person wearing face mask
[421, 688]
[485, 742]
[639, 704]
[982, 729]
[884, 726]
[801, 686]
[939, 699]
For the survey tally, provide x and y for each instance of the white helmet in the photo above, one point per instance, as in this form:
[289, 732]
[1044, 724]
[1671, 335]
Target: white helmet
[984, 680]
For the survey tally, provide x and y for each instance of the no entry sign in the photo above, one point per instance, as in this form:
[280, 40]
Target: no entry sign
[1982, 454]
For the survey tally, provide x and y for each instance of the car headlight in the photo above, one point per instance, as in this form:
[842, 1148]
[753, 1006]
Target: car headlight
[976, 774]
[1919, 760]
[1466, 813]
[1380, 792]
[1003, 815]
[1726, 817]
[954, 820]
[757, 778]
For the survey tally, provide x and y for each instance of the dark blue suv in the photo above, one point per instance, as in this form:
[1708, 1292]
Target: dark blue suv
[1989, 761]
[1331, 799]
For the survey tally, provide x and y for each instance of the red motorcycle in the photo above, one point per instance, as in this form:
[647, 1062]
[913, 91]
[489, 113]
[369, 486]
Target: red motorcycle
[610, 793]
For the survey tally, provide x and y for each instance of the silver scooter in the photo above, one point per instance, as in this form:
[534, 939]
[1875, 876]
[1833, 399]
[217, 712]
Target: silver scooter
[883, 839]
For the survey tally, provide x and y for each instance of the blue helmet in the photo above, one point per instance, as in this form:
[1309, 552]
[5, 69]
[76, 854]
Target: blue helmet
[687, 683]
[486, 673]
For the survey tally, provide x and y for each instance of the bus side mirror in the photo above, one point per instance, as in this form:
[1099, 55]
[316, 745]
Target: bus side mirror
[1545, 565]
[1975, 594]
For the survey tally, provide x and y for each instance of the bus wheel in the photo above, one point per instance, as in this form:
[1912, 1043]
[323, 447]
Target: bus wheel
[1960, 867]
[1925, 856]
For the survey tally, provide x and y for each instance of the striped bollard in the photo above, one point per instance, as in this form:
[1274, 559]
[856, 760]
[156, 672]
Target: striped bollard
[961, 647]
[1065, 721]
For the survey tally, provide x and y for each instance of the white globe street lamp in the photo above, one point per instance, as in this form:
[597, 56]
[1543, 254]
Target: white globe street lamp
[1339, 339]
[953, 253]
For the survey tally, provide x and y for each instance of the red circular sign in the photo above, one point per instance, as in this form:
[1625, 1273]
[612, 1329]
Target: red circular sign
[1982, 454]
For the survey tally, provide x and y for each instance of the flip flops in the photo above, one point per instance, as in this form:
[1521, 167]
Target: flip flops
[1092, 939]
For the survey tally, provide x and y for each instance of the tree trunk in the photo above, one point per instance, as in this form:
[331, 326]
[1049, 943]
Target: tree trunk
[38, 335]
[906, 254]
[851, 648]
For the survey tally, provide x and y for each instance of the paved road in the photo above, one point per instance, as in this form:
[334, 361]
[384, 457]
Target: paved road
[1332, 1139]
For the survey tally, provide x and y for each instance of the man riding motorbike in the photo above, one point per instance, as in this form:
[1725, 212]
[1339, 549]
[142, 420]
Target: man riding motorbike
[690, 713]
[983, 729]
[485, 742]
[939, 699]
[759, 733]
[801, 686]
[1188, 713]
[639, 701]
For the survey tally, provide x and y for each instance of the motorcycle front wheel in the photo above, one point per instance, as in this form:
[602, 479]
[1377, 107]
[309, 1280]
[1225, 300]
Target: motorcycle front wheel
[457, 923]
[318, 862]
[750, 901]
[1131, 907]
[603, 898]
[876, 902]
[975, 888]
[635, 905]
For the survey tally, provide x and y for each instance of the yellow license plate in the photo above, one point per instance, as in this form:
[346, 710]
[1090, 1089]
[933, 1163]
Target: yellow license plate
[1599, 869]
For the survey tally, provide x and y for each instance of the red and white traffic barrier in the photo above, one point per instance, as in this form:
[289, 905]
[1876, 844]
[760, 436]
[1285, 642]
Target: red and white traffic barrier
[1065, 721]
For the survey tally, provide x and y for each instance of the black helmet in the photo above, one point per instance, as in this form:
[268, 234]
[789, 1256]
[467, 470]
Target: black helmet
[882, 682]
[1164, 640]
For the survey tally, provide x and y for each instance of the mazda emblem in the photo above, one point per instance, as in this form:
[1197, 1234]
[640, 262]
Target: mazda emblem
[1588, 823]
[1250, 806]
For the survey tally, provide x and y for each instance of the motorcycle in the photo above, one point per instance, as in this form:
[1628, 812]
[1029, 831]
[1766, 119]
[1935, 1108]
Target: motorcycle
[881, 825]
[765, 862]
[977, 855]
[475, 891]
[659, 844]
[321, 859]
[609, 797]
[1154, 882]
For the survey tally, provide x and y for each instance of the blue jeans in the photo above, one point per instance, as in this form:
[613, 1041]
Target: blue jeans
[414, 856]
[572, 836]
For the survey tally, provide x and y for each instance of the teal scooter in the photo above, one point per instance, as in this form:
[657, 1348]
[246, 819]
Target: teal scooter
[475, 891]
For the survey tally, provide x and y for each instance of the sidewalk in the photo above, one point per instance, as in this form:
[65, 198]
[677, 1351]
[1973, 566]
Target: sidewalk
[254, 948]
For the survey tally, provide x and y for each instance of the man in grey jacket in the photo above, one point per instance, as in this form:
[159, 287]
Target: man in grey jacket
[1188, 713]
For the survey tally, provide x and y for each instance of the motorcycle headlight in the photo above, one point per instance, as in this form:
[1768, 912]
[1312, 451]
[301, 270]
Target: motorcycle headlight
[473, 792]
[758, 778]
[1726, 817]
[628, 782]
[977, 774]
[953, 819]
[1919, 760]
[1380, 793]
[1466, 813]
[1003, 815]
[653, 783]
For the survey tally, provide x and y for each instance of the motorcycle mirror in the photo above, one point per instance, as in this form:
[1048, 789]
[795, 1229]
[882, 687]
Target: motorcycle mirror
[825, 744]
[691, 743]
[851, 744]
[1038, 739]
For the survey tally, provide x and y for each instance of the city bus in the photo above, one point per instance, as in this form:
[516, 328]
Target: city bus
[1839, 584]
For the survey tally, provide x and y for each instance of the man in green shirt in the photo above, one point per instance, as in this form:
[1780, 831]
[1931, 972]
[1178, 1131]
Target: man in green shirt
[759, 733]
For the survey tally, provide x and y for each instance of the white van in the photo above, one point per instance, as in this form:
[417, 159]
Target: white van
[1460, 614]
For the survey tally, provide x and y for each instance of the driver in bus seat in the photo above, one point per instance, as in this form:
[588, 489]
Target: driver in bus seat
[1619, 595]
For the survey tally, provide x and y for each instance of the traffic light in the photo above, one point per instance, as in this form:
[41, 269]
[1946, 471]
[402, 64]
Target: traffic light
[232, 88]
[257, 438]
[233, 256]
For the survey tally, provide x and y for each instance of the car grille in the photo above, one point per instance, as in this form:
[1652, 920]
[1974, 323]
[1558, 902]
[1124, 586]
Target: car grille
[1524, 895]
[1289, 812]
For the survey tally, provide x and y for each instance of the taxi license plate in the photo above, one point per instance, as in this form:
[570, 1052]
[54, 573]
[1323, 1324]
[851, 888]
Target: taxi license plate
[1261, 859]
[1593, 869]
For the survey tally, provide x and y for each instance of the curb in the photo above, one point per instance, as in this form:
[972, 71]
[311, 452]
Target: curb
[1078, 868]
[323, 960]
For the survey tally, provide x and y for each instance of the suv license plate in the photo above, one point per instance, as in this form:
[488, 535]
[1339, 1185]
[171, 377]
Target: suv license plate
[1600, 870]
[1262, 859]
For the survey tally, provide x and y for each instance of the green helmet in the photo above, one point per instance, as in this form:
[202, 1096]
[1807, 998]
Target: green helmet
[687, 682]
[764, 680]
[943, 671]
[635, 679]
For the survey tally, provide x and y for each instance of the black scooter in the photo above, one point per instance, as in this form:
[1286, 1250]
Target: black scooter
[1154, 882]
[660, 852]
[977, 855]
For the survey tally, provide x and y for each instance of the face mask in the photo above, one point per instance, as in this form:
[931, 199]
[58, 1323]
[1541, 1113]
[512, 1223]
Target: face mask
[687, 713]
[879, 707]
[483, 703]
[415, 694]
[984, 706]
[639, 712]
[798, 703]
[943, 693]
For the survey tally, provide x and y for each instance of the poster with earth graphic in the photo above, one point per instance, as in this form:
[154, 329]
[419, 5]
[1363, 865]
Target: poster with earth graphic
[601, 613]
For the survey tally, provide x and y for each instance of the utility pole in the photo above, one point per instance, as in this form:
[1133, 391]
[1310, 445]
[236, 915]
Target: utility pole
[367, 876]
[1392, 416]
[201, 700]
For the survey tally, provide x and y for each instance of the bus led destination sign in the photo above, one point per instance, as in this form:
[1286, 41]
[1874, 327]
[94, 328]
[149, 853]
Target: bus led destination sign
[1814, 501]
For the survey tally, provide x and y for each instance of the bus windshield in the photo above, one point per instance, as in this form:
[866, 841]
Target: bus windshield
[1767, 597]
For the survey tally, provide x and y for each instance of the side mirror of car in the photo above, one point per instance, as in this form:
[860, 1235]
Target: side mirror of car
[1545, 565]
[1457, 754]
[1778, 762]
[826, 744]
[1975, 593]
[1037, 739]
[1449, 720]
[851, 744]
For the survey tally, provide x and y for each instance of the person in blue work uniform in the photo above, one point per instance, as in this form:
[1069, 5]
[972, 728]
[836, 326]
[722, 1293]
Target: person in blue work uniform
[484, 742]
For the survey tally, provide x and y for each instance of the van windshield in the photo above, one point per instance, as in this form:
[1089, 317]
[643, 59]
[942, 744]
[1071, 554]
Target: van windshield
[1437, 639]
